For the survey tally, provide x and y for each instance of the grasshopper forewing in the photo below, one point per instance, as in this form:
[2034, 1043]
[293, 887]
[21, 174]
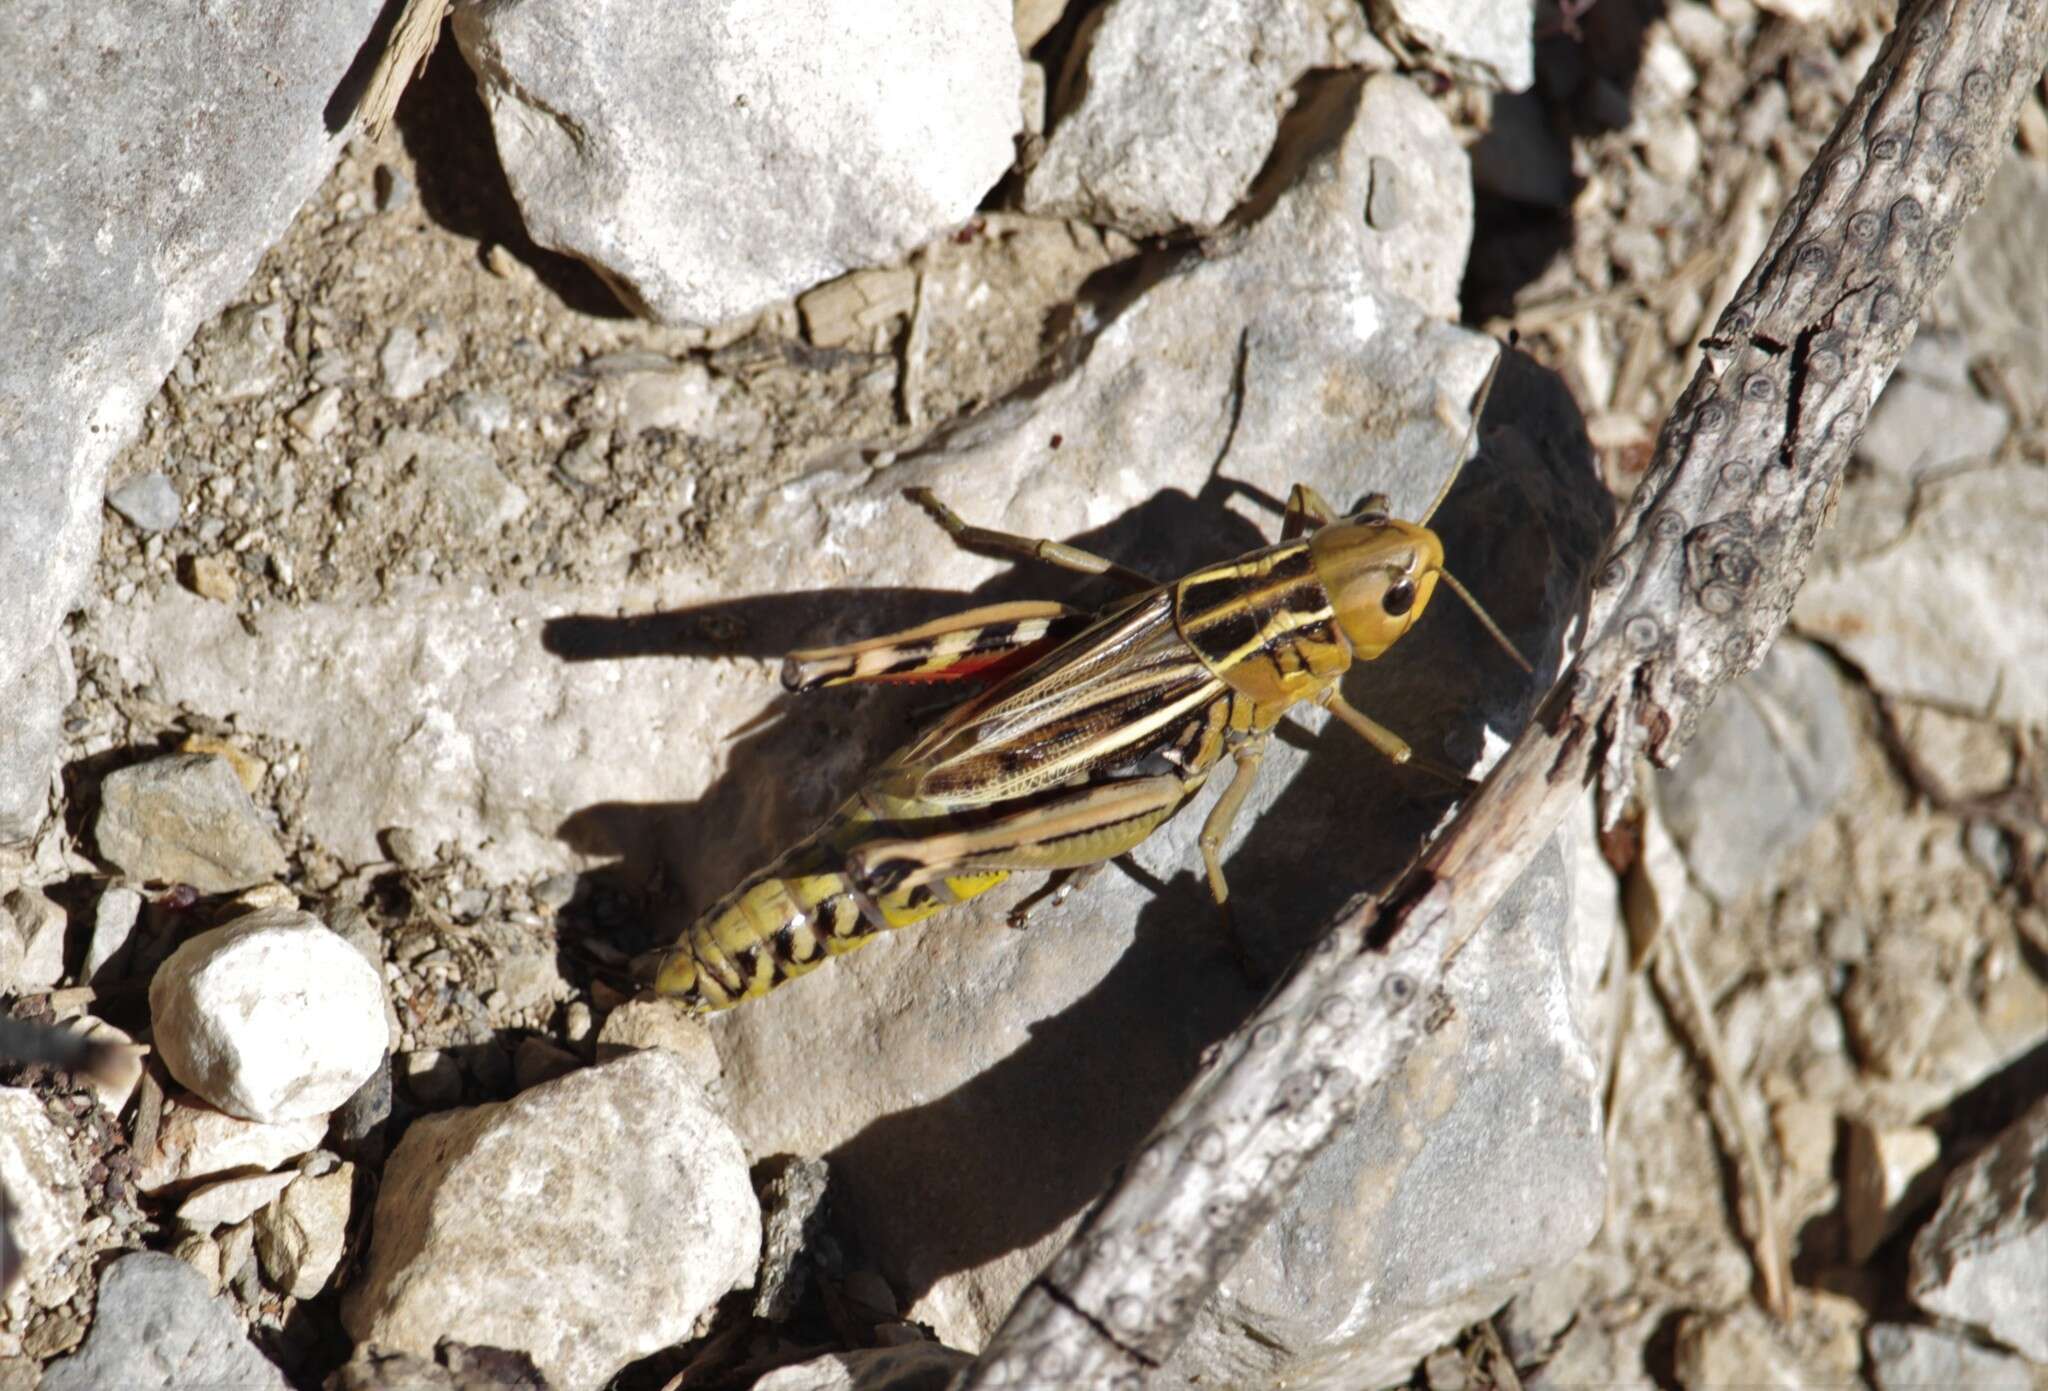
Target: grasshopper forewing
[1097, 728]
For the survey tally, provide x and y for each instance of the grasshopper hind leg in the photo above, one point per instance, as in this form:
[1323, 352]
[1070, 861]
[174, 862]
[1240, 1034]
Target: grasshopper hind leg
[985, 539]
[980, 643]
[1069, 831]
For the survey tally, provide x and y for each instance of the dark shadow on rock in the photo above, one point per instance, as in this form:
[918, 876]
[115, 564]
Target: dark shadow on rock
[340, 107]
[760, 625]
[1586, 67]
[463, 187]
[974, 1170]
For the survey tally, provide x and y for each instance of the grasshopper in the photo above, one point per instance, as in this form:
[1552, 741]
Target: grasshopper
[1095, 728]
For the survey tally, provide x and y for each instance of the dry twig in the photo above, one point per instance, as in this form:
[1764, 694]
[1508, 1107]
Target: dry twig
[1698, 580]
[404, 57]
[1768, 1247]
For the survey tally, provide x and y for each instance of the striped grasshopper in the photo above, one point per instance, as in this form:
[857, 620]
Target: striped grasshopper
[1094, 729]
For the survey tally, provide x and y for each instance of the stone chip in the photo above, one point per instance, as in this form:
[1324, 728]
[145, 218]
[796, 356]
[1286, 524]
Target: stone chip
[148, 502]
[185, 819]
[300, 1236]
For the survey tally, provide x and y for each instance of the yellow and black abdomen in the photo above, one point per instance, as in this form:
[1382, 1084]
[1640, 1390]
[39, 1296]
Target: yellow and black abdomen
[796, 914]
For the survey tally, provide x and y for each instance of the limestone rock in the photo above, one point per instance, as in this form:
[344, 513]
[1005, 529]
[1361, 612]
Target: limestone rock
[1980, 1259]
[1382, 145]
[410, 359]
[228, 1201]
[1740, 1348]
[792, 1215]
[1769, 760]
[158, 1325]
[1890, 1171]
[1996, 294]
[649, 1217]
[1174, 118]
[655, 1023]
[456, 479]
[912, 1367]
[155, 230]
[1480, 1167]
[35, 694]
[270, 1017]
[149, 502]
[45, 1200]
[185, 819]
[1034, 19]
[1487, 41]
[1933, 616]
[195, 1141]
[300, 1236]
[1922, 427]
[1906, 1358]
[113, 920]
[865, 129]
[38, 924]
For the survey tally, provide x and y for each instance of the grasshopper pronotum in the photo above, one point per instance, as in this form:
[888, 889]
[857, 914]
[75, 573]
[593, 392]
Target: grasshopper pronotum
[1097, 727]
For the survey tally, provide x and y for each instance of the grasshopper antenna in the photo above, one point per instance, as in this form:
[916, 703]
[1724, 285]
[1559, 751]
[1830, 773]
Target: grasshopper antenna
[1471, 432]
[1464, 456]
[1486, 621]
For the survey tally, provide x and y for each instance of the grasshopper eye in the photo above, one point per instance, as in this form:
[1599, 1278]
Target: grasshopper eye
[1399, 598]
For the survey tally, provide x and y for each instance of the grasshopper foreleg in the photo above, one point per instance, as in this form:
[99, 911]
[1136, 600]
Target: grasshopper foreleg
[1371, 730]
[1308, 509]
[1389, 743]
[981, 538]
[1244, 772]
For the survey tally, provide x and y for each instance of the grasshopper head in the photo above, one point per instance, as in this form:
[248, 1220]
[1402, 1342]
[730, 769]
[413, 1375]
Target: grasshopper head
[1379, 574]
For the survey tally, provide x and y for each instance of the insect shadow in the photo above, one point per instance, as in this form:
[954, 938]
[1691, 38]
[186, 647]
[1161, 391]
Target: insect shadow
[1521, 528]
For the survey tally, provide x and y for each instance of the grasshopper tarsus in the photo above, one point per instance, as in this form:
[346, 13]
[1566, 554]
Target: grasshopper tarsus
[1241, 954]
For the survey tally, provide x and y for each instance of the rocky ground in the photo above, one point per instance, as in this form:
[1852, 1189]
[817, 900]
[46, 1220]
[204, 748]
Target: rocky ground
[427, 670]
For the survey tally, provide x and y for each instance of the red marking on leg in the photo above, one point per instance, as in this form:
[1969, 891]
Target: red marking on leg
[985, 666]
